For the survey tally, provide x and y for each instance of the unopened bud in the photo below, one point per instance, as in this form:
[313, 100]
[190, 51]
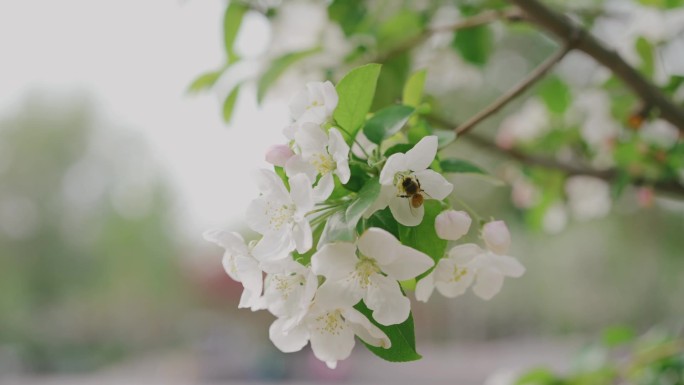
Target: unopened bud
[452, 224]
[497, 237]
[278, 154]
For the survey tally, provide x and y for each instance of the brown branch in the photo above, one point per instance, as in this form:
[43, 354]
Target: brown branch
[514, 92]
[670, 187]
[486, 17]
[566, 30]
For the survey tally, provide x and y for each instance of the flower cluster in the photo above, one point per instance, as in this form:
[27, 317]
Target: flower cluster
[345, 237]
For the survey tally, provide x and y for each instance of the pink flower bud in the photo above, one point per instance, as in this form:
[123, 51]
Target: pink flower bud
[278, 154]
[452, 224]
[497, 237]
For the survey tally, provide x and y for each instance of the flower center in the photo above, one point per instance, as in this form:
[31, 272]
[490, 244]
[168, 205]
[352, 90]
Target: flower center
[323, 163]
[286, 284]
[365, 267]
[331, 322]
[279, 215]
[458, 273]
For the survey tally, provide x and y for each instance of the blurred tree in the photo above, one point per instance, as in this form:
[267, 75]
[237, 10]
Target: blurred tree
[88, 267]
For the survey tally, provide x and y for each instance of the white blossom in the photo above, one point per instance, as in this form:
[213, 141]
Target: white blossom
[452, 224]
[529, 123]
[289, 289]
[321, 155]
[470, 263]
[330, 326]
[240, 265]
[280, 216]
[588, 197]
[406, 177]
[315, 104]
[660, 133]
[369, 270]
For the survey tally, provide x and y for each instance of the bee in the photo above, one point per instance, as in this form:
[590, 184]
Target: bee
[413, 191]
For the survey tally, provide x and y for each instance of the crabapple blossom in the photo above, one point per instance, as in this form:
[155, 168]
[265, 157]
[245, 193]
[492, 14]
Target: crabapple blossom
[369, 269]
[330, 326]
[280, 216]
[289, 288]
[588, 197]
[321, 154]
[240, 265]
[278, 154]
[411, 169]
[470, 263]
[315, 104]
[452, 224]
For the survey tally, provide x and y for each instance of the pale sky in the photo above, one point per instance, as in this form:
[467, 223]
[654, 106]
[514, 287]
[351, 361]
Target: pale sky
[137, 57]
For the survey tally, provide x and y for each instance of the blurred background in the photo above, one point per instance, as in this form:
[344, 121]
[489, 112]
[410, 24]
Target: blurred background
[110, 172]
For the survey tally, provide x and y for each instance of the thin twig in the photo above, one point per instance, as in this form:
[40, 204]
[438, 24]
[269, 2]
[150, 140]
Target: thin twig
[566, 30]
[670, 187]
[486, 17]
[514, 92]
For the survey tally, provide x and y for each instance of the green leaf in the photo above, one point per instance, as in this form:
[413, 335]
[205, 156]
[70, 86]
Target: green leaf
[283, 176]
[385, 220]
[394, 74]
[204, 81]
[413, 89]
[278, 66]
[460, 166]
[229, 104]
[555, 94]
[400, 27]
[231, 25]
[418, 131]
[474, 44]
[349, 14]
[355, 92]
[402, 337]
[365, 199]
[424, 237]
[646, 53]
[387, 122]
[341, 226]
[618, 335]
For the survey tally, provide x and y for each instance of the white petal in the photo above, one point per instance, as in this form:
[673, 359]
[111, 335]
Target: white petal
[447, 284]
[273, 246]
[229, 240]
[395, 163]
[256, 217]
[385, 298]
[434, 184]
[301, 193]
[311, 139]
[424, 287]
[334, 260]
[289, 131]
[269, 182]
[324, 188]
[292, 341]
[508, 266]
[303, 238]
[299, 103]
[341, 293]
[330, 97]
[452, 225]
[250, 274]
[497, 237]
[489, 282]
[363, 328]
[297, 165]
[378, 244]
[409, 263]
[332, 339]
[278, 154]
[337, 147]
[422, 154]
[465, 253]
[249, 299]
[404, 213]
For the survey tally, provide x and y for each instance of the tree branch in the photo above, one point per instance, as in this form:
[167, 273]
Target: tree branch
[514, 92]
[670, 187]
[566, 30]
[486, 17]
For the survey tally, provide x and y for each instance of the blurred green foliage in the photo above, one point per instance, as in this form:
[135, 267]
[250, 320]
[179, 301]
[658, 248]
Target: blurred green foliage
[88, 257]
